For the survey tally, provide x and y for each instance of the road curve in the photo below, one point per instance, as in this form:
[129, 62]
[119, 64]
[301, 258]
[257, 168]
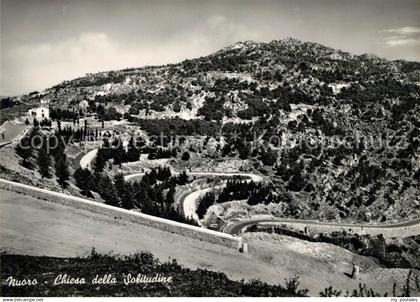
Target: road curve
[188, 201]
[86, 160]
[189, 207]
[411, 227]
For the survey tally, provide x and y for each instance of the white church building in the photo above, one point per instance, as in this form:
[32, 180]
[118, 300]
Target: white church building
[41, 112]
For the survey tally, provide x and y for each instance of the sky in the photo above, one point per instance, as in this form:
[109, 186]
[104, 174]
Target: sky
[44, 42]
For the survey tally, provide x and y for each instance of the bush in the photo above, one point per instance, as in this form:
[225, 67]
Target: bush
[185, 156]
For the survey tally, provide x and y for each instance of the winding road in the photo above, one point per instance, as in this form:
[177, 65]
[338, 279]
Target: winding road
[86, 160]
[407, 228]
[188, 200]
[188, 203]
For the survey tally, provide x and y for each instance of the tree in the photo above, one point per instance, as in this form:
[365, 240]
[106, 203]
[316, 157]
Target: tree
[182, 178]
[43, 162]
[26, 122]
[243, 149]
[84, 180]
[6, 103]
[111, 114]
[25, 151]
[85, 128]
[118, 152]
[133, 154]
[124, 191]
[107, 191]
[206, 202]
[128, 201]
[185, 156]
[61, 170]
[292, 287]
[169, 199]
[100, 161]
[121, 186]
[142, 199]
[45, 123]
[268, 157]
[177, 106]
[189, 105]
[118, 158]
[163, 173]
[330, 292]
[127, 116]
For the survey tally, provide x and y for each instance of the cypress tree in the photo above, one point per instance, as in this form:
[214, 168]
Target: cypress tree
[85, 129]
[127, 201]
[183, 178]
[117, 158]
[133, 154]
[61, 170]
[84, 180]
[107, 191]
[44, 161]
[100, 161]
[120, 185]
[25, 151]
[169, 199]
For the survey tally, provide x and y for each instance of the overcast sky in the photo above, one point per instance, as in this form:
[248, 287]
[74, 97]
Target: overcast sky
[46, 42]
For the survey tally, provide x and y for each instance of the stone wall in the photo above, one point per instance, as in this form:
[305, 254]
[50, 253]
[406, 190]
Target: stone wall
[127, 215]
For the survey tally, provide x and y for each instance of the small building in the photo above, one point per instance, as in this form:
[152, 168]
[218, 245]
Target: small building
[40, 113]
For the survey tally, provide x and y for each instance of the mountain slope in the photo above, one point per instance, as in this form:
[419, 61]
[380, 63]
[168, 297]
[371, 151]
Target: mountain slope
[337, 133]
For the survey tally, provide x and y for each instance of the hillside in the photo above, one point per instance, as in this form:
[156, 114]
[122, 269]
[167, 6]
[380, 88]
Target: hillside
[337, 134]
[287, 70]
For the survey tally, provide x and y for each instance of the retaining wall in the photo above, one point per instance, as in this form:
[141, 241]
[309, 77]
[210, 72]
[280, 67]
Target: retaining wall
[387, 232]
[127, 215]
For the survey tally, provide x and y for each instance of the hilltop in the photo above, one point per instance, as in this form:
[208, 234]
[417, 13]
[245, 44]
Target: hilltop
[308, 70]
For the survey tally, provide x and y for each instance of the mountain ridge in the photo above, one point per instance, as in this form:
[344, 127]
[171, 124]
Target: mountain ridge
[286, 42]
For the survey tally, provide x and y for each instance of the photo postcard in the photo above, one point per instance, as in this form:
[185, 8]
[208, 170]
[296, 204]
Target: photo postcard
[224, 148]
